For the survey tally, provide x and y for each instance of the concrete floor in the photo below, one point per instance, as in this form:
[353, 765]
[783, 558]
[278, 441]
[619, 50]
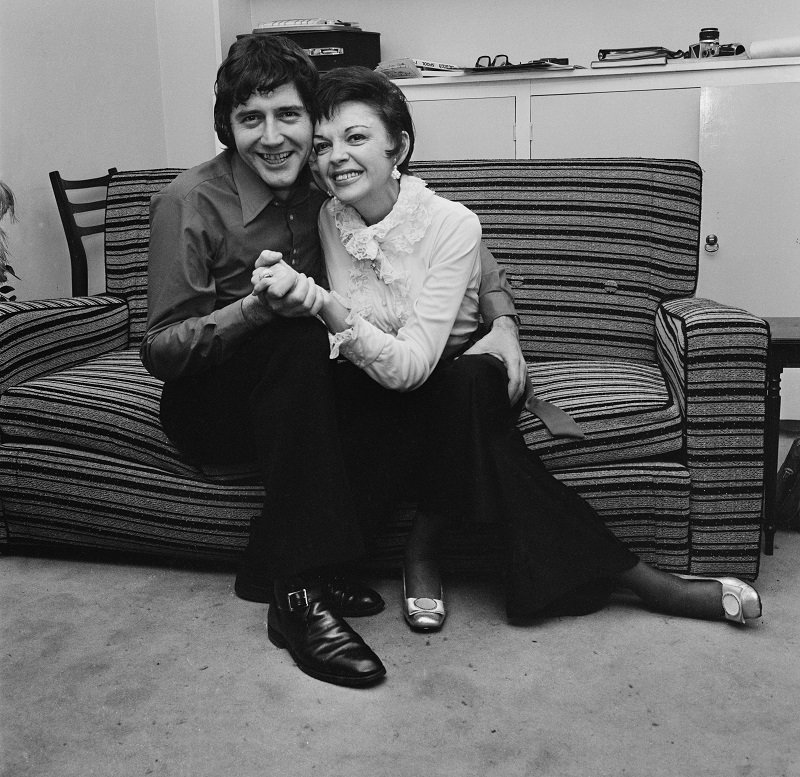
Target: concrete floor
[119, 671]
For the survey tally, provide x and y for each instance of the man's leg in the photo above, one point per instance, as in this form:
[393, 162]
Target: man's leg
[273, 402]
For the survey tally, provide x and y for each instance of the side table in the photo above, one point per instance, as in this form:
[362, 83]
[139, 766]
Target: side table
[784, 351]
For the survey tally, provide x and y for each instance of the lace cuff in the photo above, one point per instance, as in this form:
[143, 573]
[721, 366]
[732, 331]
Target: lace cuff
[339, 339]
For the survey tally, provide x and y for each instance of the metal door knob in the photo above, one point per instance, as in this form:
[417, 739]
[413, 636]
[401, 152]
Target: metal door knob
[712, 244]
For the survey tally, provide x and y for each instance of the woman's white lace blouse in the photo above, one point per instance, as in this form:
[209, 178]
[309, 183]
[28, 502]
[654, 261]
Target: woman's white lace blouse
[410, 282]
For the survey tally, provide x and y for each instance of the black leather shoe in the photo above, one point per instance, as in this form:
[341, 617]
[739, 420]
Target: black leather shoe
[348, 598]
[320, 642]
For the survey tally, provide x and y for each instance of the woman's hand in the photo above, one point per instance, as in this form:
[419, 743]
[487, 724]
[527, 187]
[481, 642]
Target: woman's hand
[284, 290]
[502, 341]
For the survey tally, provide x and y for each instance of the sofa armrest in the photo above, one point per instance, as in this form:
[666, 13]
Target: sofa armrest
[715, 359]
[42, 336]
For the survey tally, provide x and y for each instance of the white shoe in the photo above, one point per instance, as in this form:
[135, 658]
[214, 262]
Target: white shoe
[423, 613]
[740, 601]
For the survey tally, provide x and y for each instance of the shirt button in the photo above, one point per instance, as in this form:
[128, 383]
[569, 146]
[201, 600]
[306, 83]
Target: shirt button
[291, 217]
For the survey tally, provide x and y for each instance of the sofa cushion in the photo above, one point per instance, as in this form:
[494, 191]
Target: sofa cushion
[626, 411]
[110, 405]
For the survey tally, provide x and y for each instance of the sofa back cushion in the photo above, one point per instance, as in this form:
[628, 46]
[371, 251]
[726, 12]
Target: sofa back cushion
[590, 246]
[127, 240]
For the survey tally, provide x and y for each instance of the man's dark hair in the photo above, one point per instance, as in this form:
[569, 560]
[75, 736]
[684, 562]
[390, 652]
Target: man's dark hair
[360, 84]
[257, 64]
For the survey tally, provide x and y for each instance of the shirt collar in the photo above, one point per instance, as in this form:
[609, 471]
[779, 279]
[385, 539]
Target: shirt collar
[255, 195]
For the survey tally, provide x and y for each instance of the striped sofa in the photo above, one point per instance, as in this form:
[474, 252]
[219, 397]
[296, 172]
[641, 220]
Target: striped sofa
[602, 255]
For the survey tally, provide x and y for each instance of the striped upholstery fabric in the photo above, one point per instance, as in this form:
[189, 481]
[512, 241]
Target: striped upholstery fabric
[715, 358]
[107, 405]
[626, 411]
[602, 254]
[43, 336]
[127, 237]
[68, 497]
[591, 246]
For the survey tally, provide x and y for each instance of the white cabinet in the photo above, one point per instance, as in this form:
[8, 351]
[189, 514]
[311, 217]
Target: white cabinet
[751, 196]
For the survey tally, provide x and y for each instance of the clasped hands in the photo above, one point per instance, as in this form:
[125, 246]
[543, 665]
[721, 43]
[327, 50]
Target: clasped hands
[284, 290]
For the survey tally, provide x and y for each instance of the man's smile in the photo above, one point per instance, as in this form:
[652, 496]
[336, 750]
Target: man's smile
[275, 158]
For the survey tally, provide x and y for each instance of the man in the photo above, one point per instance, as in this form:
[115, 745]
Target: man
[248, 377]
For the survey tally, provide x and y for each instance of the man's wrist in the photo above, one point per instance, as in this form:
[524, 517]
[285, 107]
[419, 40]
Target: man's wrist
[507, 321]
[255, 312]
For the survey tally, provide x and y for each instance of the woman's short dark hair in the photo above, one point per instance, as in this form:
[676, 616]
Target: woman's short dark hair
[257, 64]
[360, 84]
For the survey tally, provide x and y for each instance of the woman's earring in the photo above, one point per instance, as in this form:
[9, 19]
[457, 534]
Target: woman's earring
[395, 173]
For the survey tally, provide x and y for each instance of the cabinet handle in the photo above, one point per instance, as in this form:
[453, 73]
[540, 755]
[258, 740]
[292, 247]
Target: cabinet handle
[712, 243]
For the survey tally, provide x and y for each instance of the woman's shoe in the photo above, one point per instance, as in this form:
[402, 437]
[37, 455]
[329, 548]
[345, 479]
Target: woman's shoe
[423, 613]
[740, 601]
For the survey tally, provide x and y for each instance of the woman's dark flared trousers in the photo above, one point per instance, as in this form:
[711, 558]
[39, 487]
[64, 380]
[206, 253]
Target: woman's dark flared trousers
[456, 438]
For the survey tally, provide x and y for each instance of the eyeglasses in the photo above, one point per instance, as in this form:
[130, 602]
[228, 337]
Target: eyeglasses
[501, 60]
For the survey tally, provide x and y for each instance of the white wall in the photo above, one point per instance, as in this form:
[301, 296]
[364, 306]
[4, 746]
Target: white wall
[80, 92]
[187, 82]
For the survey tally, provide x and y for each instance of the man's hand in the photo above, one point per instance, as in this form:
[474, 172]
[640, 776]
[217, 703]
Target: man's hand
[502, 341]
[284, 290]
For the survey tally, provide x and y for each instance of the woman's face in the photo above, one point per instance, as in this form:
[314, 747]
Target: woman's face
[351, 149]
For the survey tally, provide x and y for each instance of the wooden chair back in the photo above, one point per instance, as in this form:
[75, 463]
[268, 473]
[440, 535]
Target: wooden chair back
[74, 232]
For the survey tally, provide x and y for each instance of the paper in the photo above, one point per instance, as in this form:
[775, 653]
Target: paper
[775, 47]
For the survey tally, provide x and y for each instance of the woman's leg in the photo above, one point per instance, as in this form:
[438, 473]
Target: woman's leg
[692, 597]
[422, 577]
[560, 555]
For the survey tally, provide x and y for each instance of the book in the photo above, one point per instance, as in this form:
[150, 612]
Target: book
[427, 64]
[630, 62]
[305, 25]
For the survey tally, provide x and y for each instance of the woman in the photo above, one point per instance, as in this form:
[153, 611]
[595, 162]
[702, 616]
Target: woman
[403, 267]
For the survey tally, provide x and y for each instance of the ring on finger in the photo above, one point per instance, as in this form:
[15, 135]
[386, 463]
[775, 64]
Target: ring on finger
[266, 274]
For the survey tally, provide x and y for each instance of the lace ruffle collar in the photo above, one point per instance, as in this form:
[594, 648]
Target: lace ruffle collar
[403, 227]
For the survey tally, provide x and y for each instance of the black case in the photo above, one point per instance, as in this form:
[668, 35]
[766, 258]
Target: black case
[336, 48]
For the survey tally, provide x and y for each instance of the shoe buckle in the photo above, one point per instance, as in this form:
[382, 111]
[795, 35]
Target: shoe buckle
[296, 600]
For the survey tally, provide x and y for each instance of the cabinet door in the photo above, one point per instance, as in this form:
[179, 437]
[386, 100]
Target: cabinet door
[649, 123]
[751, 197]
[751, 202]
[465, 128]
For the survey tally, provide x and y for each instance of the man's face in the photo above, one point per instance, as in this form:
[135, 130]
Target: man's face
[272, 133]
